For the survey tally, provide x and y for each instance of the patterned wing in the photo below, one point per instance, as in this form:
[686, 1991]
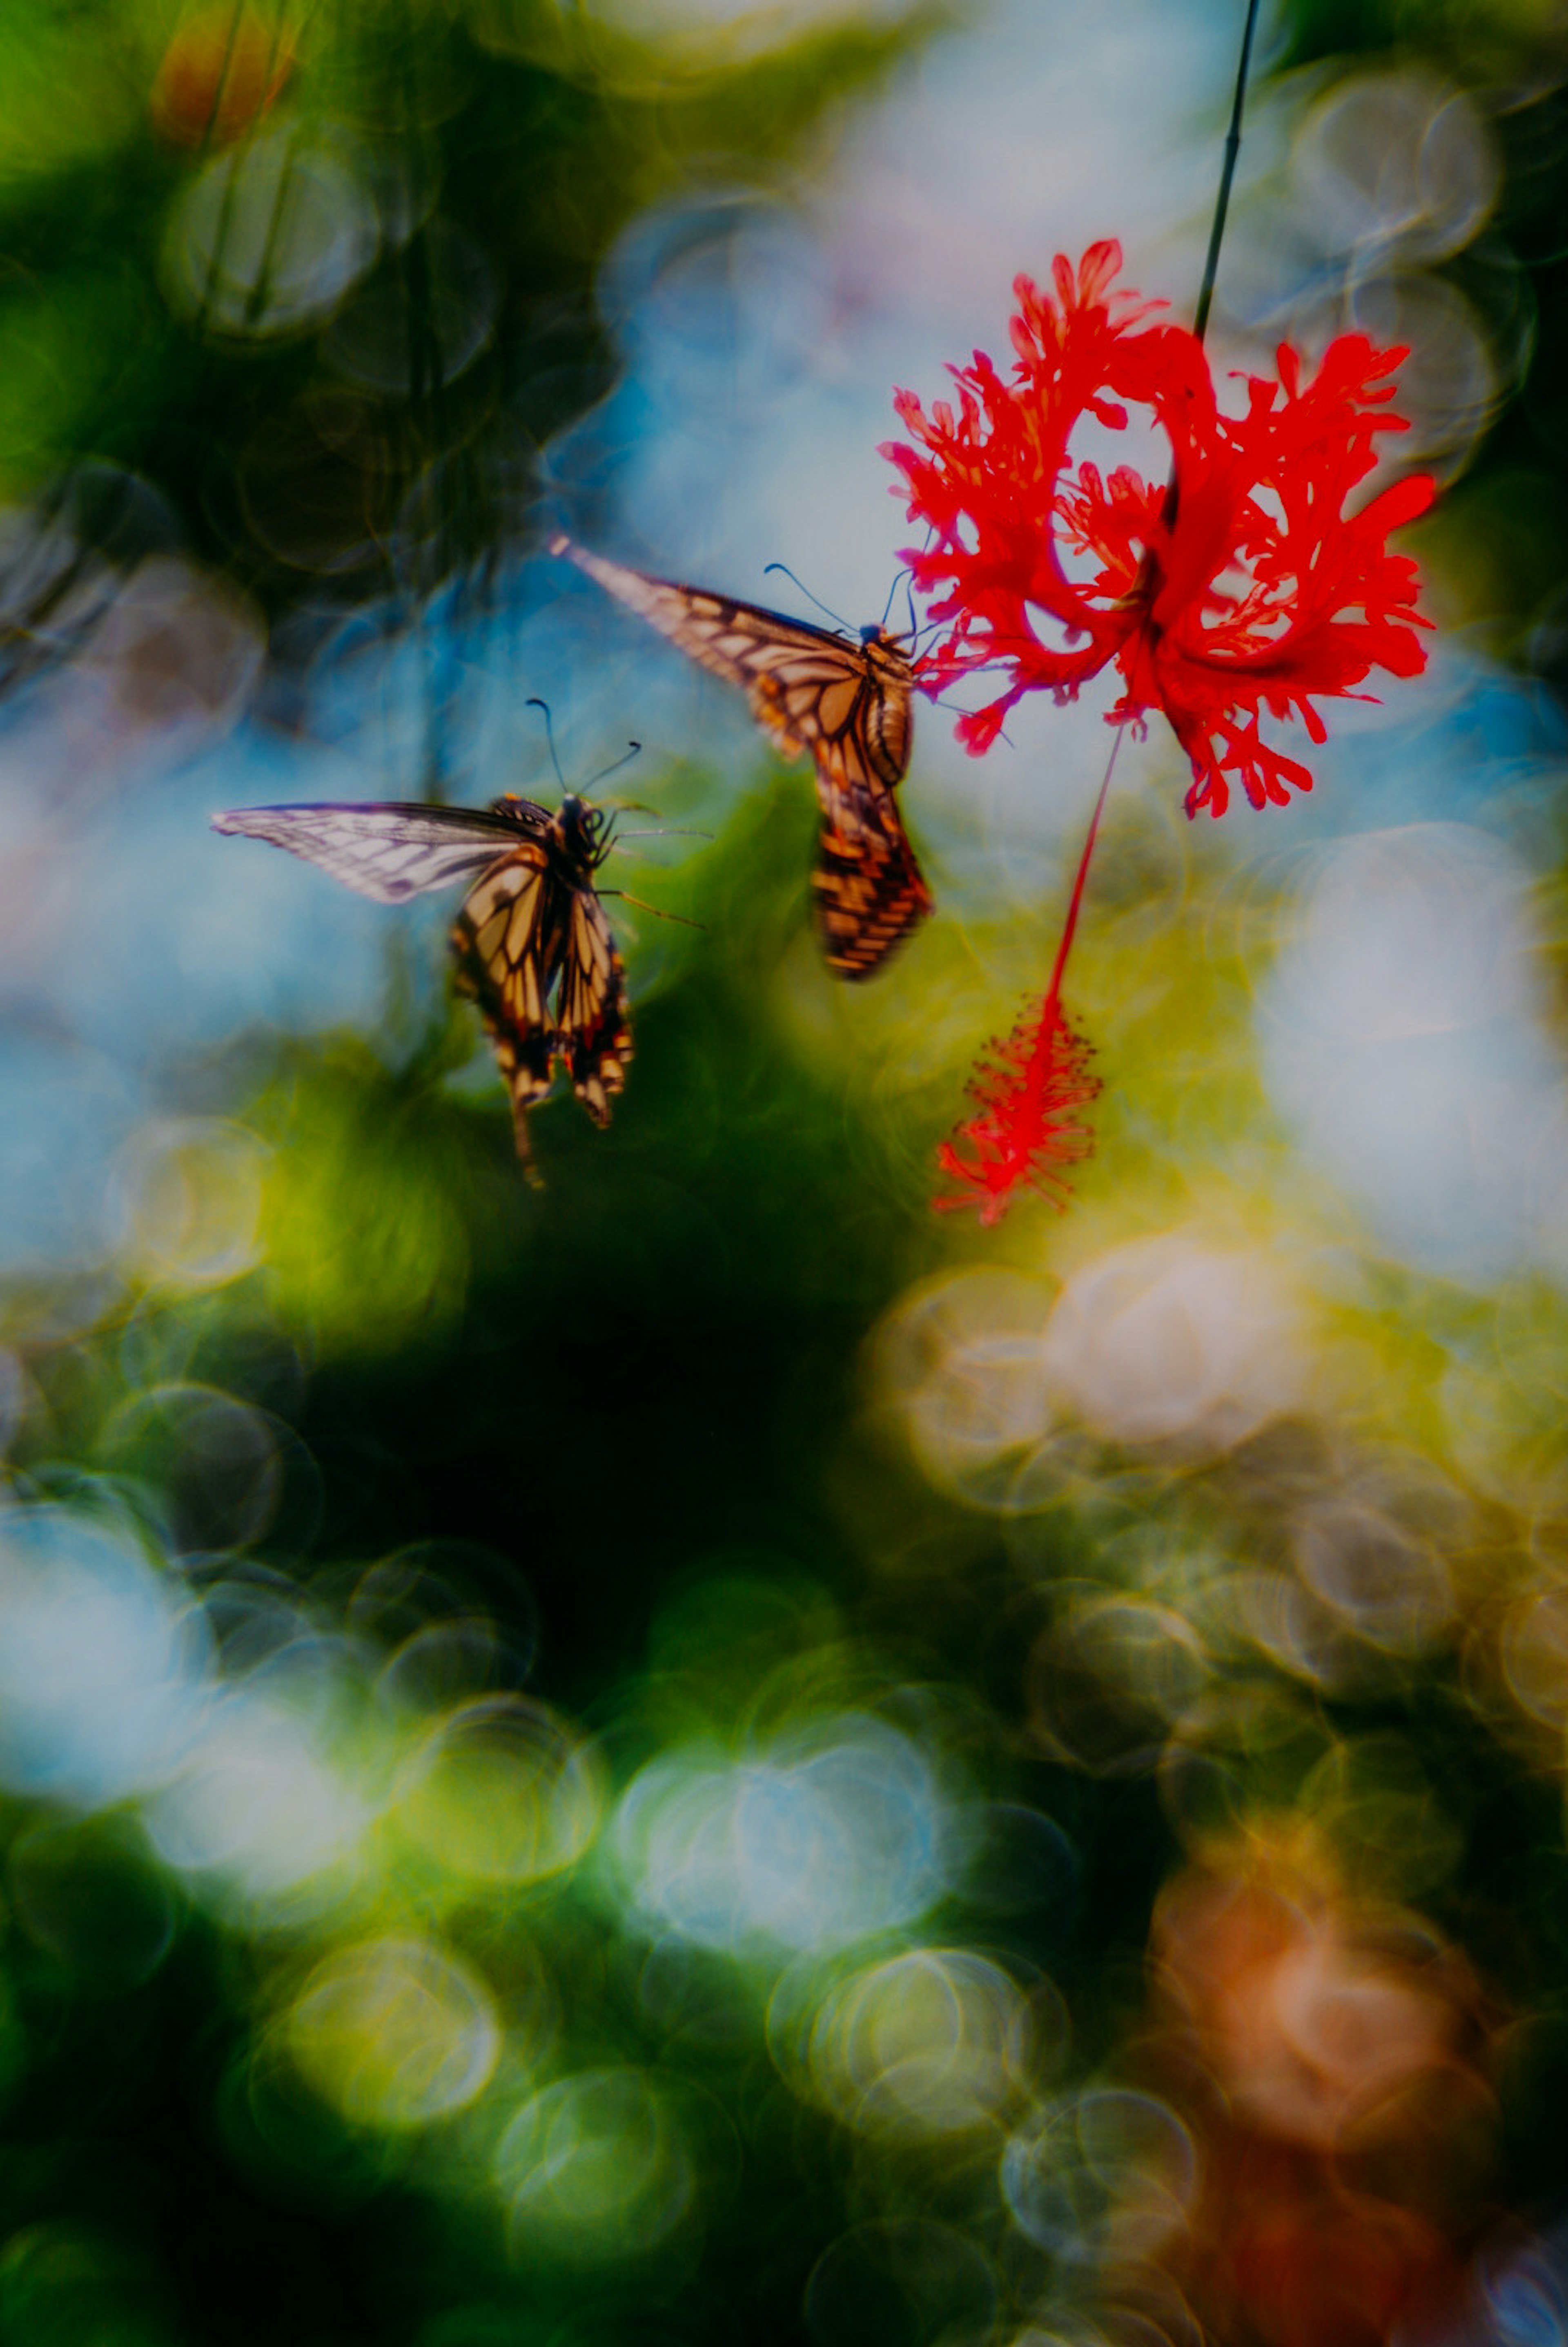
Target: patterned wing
[869, 894]
[809, 689]
[388, 851]
[508, 941]
[591, 1030]
[849, 705]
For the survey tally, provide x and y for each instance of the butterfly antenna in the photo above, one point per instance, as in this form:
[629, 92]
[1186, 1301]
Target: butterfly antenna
[632, 749]
[805, 590]
[892, 591]
[534, 701]
[658, 910]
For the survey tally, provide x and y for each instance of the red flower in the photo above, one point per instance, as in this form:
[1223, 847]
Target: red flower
[1226, 594]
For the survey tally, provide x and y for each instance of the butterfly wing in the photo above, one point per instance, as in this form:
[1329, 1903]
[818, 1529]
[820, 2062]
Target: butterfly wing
[809, 689]
[849, 705]
[591, 1030]
[507, 942]
[390, 851]
[525, 926]
[524, 929]
[869, 893]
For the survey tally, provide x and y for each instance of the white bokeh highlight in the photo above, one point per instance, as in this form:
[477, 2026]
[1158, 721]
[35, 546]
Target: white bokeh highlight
[1404, 1038]
[822, 1838]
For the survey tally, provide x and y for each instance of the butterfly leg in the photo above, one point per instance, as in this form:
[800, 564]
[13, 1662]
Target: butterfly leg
[531, 1174]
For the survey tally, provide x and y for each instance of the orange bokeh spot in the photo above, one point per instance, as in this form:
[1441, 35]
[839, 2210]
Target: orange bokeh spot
[1325, 2021]
[220, 73]
[1300, 2264]
[1336, 2046]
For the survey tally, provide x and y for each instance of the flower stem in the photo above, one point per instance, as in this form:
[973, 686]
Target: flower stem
[1070, 926]
[1026, 1127]
[1199, 328]
[1222, 205]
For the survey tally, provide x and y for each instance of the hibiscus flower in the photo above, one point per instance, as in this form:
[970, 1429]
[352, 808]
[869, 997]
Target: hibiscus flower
[1240, 587]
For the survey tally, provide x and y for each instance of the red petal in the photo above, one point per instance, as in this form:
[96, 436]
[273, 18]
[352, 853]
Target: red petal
[1261, 497]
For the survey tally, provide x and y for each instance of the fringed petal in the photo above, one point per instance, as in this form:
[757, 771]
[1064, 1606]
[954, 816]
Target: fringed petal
[1260, 498]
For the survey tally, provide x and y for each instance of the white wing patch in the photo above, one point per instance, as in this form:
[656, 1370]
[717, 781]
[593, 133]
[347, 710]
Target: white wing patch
[387, 852]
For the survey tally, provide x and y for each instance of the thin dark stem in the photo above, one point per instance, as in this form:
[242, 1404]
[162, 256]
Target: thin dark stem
[1222, 205]
[220, 87]
[1200, 325]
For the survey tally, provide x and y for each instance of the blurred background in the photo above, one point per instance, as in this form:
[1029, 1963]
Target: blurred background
[708, 1754]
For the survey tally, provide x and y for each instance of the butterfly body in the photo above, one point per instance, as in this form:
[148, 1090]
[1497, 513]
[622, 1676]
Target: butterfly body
[530, 943]
[847, 705]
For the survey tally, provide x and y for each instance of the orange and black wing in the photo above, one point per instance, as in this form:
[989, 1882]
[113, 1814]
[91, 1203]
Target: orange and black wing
[806, 686]
[592, 1034]
[868, 895]
[508, 941]
[849, 705]
[523, 932]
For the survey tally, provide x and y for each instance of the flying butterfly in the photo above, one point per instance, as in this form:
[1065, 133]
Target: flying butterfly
[532, 944]
[812, 688]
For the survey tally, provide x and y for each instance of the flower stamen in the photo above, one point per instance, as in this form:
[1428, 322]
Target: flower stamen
[1026, 1129]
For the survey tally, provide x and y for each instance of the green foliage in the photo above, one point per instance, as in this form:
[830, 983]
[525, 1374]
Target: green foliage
[672, 1709]
[537, 131]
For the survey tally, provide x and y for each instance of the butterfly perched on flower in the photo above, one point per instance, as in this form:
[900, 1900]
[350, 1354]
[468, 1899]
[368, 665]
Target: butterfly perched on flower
[532, 944]
[813, 690]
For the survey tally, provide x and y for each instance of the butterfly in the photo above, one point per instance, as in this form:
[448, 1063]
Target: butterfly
[532, 944]
[849, 705]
